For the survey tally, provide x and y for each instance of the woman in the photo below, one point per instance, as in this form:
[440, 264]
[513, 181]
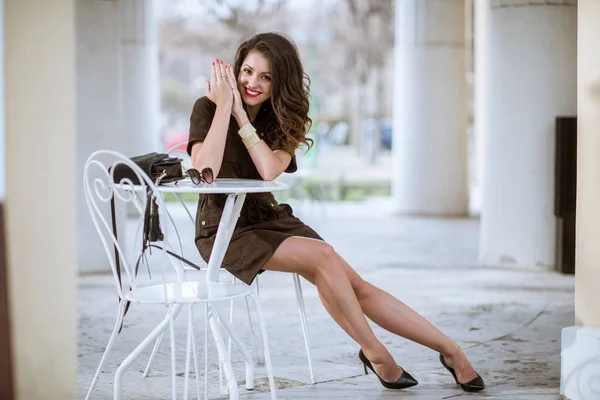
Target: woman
[254, 117]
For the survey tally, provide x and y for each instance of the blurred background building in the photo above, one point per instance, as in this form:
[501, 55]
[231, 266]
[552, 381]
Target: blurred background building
[447, 107]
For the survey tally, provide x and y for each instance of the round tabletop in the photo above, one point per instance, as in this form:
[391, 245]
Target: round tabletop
[223, 186]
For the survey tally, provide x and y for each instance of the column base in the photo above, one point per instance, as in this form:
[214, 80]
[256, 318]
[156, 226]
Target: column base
[580, 363]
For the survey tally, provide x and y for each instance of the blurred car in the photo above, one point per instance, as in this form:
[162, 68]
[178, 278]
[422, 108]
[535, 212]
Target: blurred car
[174, 135]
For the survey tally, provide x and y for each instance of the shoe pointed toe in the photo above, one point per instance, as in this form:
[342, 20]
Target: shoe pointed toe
[474, 385]
[405, 381]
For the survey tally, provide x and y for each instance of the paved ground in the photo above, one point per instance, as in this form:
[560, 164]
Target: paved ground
[507, 320]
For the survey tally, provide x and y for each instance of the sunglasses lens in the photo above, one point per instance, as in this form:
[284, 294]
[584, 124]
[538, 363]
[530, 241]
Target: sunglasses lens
[207, 174]
[194, 176]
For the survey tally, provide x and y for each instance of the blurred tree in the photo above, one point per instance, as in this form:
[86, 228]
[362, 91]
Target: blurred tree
[194, 32]
[346, 47]
[364, 31]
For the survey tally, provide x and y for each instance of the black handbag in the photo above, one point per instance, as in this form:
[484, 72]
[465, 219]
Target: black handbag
[160, 167]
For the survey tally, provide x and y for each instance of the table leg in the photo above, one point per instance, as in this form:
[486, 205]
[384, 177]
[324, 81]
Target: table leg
[229, 217]
[222, 350]
[240, 346]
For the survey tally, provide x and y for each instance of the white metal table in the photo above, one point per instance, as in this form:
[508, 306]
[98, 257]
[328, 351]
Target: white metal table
[236, 189]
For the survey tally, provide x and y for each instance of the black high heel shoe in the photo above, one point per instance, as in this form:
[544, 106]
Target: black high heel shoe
[474, 385]
[405, 380]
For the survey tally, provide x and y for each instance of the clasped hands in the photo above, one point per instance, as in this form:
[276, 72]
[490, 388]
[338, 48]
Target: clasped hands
[222, 88]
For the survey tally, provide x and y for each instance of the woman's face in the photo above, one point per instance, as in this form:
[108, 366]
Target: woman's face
[255, 79]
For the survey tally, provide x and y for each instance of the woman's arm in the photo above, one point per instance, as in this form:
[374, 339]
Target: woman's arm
[209, 153]
[269, 163]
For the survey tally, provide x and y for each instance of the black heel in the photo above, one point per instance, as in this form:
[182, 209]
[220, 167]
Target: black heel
[474, 385]
[405, 380]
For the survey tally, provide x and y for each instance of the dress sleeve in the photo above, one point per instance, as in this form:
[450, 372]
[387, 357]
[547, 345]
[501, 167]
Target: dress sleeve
[200, 121]
[278, 145]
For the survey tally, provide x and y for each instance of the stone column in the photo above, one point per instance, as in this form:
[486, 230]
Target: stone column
[99, 110]
[139, 75]
[580, 369]
[532, 79]
[480, 98]
[40, 196]
[118, 95]
[430, 108]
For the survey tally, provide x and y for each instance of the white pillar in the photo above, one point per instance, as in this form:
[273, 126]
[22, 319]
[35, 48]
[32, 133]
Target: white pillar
[99, 120]
[118, 95]
[532, 79]
[580, 370]
[40, 196]
[2, 107]
[480, 100]
[430, 108]
[139, 79]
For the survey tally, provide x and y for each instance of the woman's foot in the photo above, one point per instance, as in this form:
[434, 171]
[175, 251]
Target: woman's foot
[405, 380]
[385, 367]
[456, 359]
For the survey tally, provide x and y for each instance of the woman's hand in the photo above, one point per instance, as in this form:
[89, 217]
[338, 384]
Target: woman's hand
[218, 90]
[237, 109]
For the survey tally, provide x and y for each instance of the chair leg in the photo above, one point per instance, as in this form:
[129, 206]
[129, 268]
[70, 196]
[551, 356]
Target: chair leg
[195, 353]
[263, 329]
[206, 327]
[173, 358]
[156, 332]
[255, 342]
[188, 350]
[152, 355]
[302, 311]
[222, 350]
[233, 280]
[108, 347]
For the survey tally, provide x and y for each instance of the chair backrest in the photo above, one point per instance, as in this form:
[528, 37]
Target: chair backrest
[177, 146]
[124, 250]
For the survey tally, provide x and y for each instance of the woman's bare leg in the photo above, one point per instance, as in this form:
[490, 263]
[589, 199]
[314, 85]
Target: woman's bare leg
[317, 262]
[393, 315]
[396, 317]
[453, 355]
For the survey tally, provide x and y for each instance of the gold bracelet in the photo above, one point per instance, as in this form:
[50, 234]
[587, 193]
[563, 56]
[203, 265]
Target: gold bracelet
[246, 130]
[250, 140]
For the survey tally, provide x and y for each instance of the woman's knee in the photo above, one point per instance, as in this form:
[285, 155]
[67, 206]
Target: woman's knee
[362, 288]
[328, 255]
[327, 259]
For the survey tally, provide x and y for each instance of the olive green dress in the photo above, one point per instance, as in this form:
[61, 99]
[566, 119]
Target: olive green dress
[263, 224]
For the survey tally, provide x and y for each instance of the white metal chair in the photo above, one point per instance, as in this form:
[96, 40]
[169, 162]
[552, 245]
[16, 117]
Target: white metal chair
[175, 151]
[169, 287]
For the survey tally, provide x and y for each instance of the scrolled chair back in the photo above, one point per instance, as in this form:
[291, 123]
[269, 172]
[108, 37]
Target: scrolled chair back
[127, 253]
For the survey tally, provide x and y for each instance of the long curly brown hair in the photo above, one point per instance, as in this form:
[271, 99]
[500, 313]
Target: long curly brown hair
[289, 90]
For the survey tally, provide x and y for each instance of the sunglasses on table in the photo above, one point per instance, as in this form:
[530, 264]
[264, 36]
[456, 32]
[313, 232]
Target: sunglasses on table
[205, 176]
